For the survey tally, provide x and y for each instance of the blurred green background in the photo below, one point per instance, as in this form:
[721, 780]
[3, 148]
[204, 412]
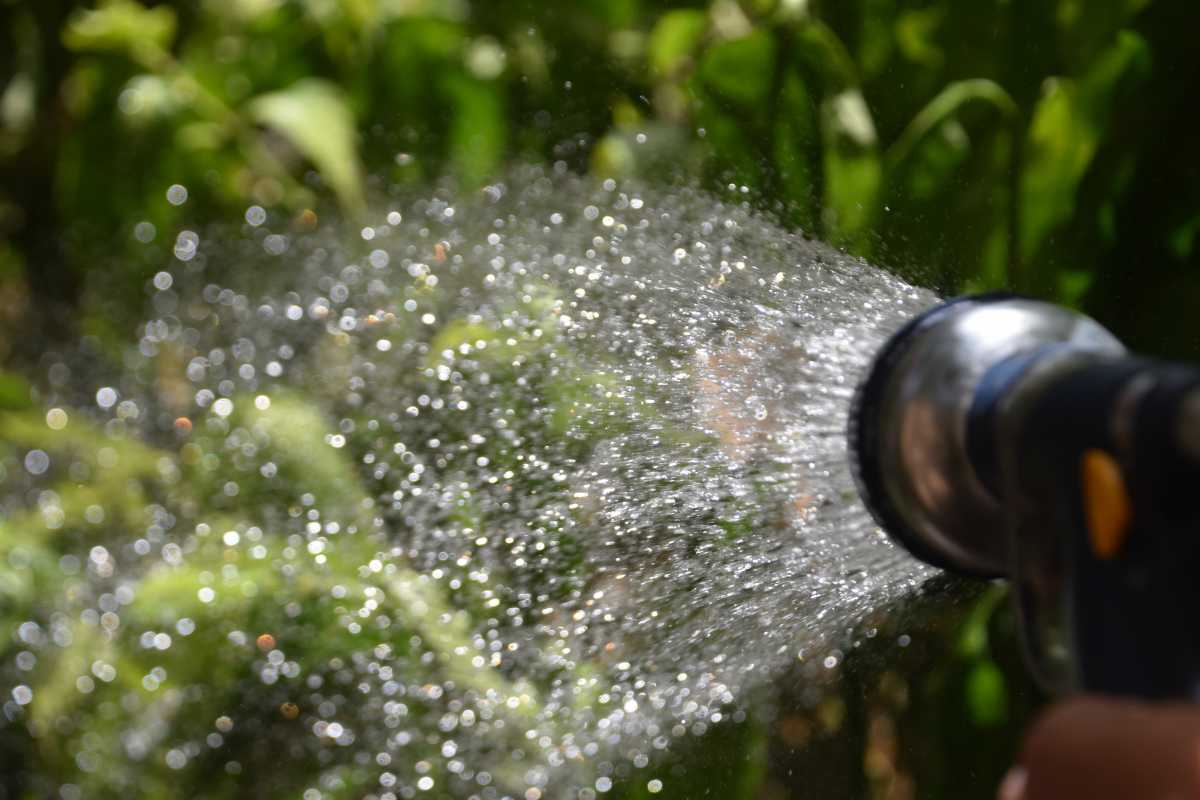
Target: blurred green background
[1036, 145]
[1044, 146]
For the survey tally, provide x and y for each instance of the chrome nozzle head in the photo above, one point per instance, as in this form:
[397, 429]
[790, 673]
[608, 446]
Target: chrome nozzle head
[908, 434]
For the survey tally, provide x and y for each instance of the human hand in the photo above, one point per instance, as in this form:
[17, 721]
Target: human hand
[1109, 749]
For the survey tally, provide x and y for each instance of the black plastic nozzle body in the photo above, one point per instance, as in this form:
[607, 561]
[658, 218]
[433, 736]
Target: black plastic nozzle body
[1087, 460]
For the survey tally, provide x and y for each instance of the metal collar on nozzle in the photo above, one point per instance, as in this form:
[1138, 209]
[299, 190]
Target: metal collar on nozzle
[909, 432]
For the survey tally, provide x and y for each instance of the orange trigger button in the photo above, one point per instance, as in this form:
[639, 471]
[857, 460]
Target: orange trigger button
[1107, 508]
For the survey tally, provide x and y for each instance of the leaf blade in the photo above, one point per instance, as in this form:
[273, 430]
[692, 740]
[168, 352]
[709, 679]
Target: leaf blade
[314, 116]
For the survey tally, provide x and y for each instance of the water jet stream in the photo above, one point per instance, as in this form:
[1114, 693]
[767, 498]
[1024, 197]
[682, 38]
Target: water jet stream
[502, 492]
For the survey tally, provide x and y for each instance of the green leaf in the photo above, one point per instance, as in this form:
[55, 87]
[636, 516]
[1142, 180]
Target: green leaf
[144, 34]
[944, 108]
[987, 694]
[1068, 125]
[314, 116]
[853, 170]
[826, 57]
[478, 130]
[973, 638]
[853, 178]
[740, 70]
[674, 40]
[1061, 143]
[251, 10]
[799, 152]
[156, 99]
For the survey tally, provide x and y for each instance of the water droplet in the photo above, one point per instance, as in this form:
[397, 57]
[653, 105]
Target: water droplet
[145, 232]
[37, 462]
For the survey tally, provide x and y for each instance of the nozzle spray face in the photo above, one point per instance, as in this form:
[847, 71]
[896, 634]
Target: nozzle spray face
[919, 449]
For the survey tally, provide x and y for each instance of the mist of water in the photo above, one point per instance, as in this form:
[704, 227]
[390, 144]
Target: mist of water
[580, 448]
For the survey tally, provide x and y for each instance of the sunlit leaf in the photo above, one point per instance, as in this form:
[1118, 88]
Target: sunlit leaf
[674, 40]
[18, 103]
[363, 14]
[144, 34]
[1068, 124]
[850, 117]
[148, 97]
[248, 10]
[314, 116]
[987, 694]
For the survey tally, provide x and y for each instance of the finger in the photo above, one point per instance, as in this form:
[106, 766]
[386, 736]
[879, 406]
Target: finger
[1013, 787]
[1103, 749]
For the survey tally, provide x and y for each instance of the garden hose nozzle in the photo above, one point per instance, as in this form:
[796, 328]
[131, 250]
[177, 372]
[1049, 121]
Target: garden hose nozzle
[1000, 436]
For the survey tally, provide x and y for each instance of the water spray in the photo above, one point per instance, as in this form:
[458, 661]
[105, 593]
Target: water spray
[554, 475]
[998, 436]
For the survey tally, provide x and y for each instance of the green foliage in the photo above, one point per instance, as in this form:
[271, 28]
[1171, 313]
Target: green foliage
[967, 149]
[123, 26]
[1043, 146]
[208, 597]
[14, 392]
